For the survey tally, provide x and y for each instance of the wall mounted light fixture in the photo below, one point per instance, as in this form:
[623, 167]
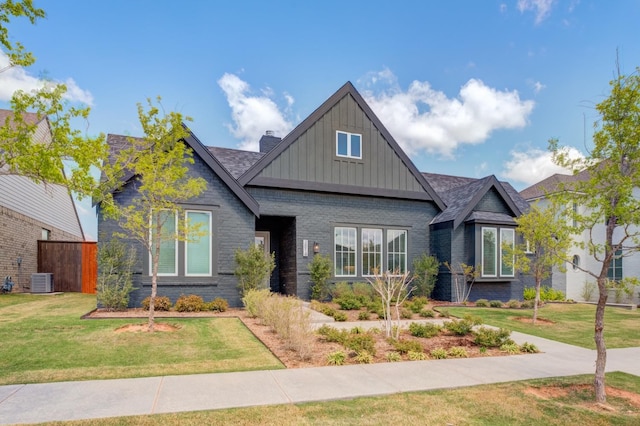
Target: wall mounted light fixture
[316, 248]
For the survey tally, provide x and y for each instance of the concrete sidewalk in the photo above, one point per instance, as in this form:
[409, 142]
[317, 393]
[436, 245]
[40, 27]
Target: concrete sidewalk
[126, 397]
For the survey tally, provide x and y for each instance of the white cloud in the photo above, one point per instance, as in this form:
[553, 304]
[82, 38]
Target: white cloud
[534, 165]
[17, 78]
[537, 86]
[542, 8]
[253, 115]
[426, 119]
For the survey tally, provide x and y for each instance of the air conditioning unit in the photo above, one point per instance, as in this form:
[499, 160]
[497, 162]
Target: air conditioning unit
[41, 283]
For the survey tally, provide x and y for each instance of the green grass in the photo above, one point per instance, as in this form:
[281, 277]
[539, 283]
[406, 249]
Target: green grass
[45, 340]
[571, 323]
[501, 404]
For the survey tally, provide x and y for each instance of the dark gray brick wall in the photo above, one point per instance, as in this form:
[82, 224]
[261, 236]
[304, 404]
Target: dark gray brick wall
[318, 213]
[234, 227]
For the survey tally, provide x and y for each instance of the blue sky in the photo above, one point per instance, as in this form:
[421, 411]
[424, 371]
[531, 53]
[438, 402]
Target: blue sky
[468, 88]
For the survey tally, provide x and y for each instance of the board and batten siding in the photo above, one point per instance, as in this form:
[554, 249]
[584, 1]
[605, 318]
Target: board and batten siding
[312, 157]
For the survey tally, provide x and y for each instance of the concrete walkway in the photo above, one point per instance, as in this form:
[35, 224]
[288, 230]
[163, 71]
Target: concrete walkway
[127, 397]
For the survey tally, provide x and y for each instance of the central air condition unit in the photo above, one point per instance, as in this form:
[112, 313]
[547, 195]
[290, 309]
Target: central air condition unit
[41, 283]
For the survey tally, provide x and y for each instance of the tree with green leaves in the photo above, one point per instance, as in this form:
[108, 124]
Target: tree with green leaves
[425, 274]
[547, 237]
[606, 195]
[159, 168]
[15, 50]
[253, 268]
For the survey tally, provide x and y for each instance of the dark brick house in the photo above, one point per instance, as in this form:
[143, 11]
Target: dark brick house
[338, 184]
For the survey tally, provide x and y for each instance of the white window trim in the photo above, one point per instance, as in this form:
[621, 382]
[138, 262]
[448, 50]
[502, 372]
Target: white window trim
[504, 231]
[495, 231]
[175, 242]
[186, 246]
[381, 252]
[406, 237]
[335, 252]
[348, 145]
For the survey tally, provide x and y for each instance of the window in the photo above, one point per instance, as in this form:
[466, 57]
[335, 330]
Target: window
[371, 251]
[198, 247]
[575, 215]
[345, 252]
[507, 245]
[397, 251]
[168, 261]
[46, 234]
[575, 262]
[348, 145]
[615, 268]
[489, 252]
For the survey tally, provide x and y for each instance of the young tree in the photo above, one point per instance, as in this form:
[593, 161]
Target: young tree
[394, 289]
[159, 166]
[607, 194]
[425, 273]
[15, 9]
[547, 239]
[253, 268]
[463, 278]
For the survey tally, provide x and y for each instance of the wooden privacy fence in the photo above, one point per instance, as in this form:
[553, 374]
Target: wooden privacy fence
[74, 264]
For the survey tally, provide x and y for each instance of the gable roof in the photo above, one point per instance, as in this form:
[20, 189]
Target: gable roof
[345, 90]
[29, 117]
[552, 184]
[237, 162]
[118, 142]
[462, 195]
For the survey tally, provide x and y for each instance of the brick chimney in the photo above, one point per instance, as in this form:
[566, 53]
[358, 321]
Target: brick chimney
[268, 141]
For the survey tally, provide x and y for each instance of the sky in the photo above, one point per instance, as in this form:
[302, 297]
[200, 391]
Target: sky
[468, 88]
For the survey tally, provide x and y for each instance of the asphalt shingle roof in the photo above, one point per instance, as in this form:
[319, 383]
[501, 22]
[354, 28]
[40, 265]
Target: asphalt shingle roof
[236, 162]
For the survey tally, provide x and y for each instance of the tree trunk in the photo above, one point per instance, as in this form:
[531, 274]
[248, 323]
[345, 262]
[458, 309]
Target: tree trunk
[601, 350]
[536, 301]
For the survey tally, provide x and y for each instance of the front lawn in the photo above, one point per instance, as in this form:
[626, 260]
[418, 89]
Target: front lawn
[44, 340]
[571, 323]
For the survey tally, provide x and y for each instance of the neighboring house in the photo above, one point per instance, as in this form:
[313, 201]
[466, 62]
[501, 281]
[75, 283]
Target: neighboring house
[573, 281]
[30, 212]
[338, 184]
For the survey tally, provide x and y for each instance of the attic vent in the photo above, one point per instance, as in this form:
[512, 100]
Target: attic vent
[41, 283]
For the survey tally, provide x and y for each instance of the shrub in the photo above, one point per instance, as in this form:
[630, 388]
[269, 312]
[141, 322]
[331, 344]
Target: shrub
[253, 268]
[406, 313]
[529, 293]
[348, 302]
[405, 346]
[320, 271]
[341, 289]
[254, 300]
[546, 294]
[339, 316]
[495, 304]
[482, 303]
[364, 357]
[190, 303]
[336, 358]
[510, 347]
[332, 334]
[513, 304]
[529, 348]
[588, 289]
[360, 342]
[458, 352]
[439, 353]
[363, 292]
[115, 265]
[459, 327]
[444, 313]
[425, 269]
[364, 315]
[424, 330]
[393, 356]
[162, 303]
[491, 338]
[416, 356]
[427, 313]
[527, 304]
[218, 305]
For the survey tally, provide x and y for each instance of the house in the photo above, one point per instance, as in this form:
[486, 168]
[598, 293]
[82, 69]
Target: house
[338, 184]
[572, 281]
[30, 212]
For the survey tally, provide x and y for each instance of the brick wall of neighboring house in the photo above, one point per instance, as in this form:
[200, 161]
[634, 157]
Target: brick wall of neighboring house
[19, 235]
